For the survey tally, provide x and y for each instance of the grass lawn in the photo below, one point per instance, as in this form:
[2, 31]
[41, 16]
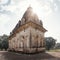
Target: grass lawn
[55, 50]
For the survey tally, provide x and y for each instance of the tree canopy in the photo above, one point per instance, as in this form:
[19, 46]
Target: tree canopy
[4, 42]
[50, 42]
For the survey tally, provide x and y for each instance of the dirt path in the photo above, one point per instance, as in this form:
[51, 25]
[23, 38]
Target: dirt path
[41, 56]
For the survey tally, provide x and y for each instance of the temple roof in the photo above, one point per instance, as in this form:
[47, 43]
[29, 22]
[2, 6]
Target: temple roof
[29, 15]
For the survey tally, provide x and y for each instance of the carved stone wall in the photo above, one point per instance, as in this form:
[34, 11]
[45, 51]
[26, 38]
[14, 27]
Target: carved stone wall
[37, 38]
[27, 39]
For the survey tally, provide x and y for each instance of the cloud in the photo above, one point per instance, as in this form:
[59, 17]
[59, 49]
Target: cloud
[5, 2]
[55, 5]
[3, 19]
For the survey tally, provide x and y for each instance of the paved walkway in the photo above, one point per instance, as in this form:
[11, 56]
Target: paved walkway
[4, 55]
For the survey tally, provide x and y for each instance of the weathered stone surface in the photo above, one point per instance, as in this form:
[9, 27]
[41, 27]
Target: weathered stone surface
[28, 35]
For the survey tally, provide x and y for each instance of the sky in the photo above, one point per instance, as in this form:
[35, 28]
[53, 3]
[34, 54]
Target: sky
[11, 11]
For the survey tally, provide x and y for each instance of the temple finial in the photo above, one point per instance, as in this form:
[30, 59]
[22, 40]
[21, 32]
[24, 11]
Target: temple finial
[30, 7]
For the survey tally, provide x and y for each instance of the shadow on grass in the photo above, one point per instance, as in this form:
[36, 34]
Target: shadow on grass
[37, 56]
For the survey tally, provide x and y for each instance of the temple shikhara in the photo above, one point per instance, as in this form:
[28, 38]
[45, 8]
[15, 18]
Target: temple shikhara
[28, 34]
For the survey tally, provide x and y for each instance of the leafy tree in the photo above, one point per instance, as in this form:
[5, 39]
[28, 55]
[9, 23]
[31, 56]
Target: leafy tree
[4, 42]
[50, 42]
[57, 46]
[0, 44]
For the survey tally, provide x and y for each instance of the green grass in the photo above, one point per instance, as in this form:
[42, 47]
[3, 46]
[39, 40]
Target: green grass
[55, 50]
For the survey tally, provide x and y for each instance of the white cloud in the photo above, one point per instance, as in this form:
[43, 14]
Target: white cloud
[51, 1]
[3, 19]
[5, 2]
[55, 7]
[10, 8]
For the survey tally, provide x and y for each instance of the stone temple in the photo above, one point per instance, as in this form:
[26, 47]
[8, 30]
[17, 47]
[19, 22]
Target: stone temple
[28, 34]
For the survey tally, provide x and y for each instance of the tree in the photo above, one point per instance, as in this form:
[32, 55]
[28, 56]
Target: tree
[50, 42]
[57, 46]
[4, 42]
[0, 44]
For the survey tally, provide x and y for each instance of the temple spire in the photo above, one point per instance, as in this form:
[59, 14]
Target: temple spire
[29, 15]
